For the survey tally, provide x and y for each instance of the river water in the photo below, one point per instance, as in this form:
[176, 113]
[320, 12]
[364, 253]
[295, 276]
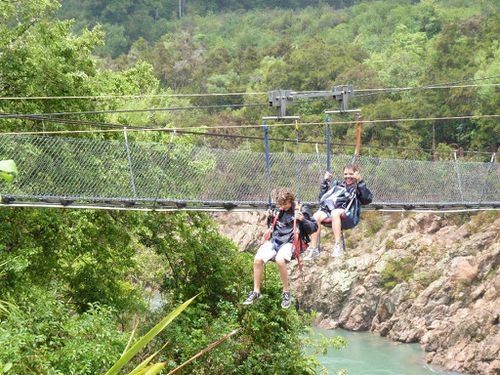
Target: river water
[369, 354]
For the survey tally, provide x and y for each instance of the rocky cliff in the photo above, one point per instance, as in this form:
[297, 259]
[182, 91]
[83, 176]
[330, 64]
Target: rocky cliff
[432, 279]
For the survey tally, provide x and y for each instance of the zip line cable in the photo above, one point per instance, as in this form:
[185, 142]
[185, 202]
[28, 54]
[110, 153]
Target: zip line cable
[110, 111]
[135, 129]
[448, 85]
[397, 89]
[146, 96]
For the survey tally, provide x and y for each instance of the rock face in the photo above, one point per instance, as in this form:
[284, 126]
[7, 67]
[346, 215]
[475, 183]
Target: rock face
[421, 278]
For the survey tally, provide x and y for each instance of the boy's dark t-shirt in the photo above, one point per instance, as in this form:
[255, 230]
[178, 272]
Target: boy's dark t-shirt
[283, 232]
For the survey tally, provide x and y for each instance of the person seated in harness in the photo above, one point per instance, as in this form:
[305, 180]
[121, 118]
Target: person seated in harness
[279, 242]
[340, 202]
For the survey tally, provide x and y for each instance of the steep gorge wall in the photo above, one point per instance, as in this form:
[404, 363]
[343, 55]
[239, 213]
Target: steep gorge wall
[432, 279]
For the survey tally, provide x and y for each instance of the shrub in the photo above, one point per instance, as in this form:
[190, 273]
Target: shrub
[43, 335]
[397, 271]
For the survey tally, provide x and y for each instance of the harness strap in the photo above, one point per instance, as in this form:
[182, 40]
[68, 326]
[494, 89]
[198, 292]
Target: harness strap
[275, 220]
[297, 243]
[296, 237]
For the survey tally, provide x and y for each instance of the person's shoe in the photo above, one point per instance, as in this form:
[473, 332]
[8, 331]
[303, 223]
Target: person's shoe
[337, 251]
[286, 300]
[252, 297]
[312, 253]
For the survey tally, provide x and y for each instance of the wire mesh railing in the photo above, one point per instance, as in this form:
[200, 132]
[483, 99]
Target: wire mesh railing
[69, 170]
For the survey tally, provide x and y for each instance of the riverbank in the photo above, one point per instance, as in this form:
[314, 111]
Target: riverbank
[414, 278]
[369, 354]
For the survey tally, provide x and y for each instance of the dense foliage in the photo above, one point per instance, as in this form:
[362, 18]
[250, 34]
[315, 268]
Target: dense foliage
[379, 44]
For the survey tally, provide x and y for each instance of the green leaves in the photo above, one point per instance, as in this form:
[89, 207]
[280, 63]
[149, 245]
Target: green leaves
[8, 170]
[144, 340]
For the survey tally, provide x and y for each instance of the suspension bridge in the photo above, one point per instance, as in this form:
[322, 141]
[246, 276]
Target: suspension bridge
[71, 169]
[57, 171]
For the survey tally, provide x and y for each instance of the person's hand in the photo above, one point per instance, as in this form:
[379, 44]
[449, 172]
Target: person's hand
[299, 216]
[328, 176]
[357, 176]
[269, 213]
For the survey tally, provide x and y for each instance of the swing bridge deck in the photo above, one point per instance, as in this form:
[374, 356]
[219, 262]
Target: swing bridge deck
[136, 175]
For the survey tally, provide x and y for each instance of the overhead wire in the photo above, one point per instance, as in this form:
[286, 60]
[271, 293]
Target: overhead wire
[447, 85]
[432, 86]
[139, 96]
[257, 125]
[111, 111]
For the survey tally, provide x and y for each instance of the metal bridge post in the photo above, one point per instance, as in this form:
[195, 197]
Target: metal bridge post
[328, 144]
[268, 162]
[131, 170]
[490, 167]
[164, 162]
[297, 159]
[358, 137]
[459, 179]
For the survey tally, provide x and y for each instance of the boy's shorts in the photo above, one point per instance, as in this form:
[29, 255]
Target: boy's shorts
[266, 252]
[346, 222]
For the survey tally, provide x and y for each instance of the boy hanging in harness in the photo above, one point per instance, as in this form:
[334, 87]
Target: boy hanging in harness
[340, 202]
[279, 244]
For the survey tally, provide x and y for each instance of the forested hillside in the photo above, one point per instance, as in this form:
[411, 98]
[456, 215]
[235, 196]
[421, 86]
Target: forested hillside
[379, 44]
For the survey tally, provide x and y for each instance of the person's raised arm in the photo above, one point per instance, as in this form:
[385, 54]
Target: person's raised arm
[325, 184]
[364, 194]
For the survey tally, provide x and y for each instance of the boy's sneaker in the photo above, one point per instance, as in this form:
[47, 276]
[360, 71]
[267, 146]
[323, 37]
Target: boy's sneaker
[285, 300]
[312, 253]
[252, 296]
[337, 251]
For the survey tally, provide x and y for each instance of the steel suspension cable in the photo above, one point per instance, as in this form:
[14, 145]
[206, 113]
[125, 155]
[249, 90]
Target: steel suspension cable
[378, 121]
[111, 111]
[147, 96]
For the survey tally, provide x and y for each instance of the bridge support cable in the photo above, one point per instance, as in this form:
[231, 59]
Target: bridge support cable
[129, 159]
[358, 137]
[485, 184]
[459, 179]
[164, 166]
[328, 145]
[297, 161]
[268, 164]
[97, 172]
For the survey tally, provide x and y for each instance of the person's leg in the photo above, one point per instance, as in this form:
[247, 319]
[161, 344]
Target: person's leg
[337, 223]
[264, 254]
[319, 216]
[282, 258]
[283, 273]
[258, 267]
